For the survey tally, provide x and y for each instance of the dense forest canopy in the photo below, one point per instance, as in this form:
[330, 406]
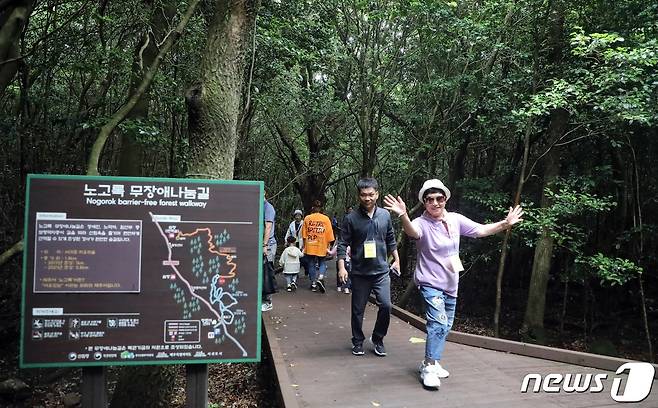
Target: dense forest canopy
[553, 104]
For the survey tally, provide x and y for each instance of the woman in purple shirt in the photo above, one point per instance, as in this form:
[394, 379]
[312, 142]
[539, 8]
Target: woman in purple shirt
[437, 233]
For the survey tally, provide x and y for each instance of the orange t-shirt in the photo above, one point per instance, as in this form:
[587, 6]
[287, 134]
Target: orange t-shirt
[317, 234]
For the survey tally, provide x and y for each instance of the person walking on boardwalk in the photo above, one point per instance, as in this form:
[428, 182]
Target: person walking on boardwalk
[437, 233]
[291, 260]
[369, 233]
[295, 230]
[318, 236]
[269, 250]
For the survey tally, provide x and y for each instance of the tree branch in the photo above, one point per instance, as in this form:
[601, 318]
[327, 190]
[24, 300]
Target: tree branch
[338, 180]
[120, 115]
[16, 248]
[285, 139]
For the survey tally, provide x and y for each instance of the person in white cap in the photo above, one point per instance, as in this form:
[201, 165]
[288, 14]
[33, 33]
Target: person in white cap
[295, 230]
[437, 233]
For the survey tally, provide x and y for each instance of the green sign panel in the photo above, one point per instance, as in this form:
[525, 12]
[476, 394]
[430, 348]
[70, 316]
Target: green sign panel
[124, 270]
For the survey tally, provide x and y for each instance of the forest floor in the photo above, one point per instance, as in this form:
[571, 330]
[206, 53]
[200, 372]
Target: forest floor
[235, 385]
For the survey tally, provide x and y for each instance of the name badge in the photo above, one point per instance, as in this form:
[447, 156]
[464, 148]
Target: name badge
[455, 264]
[370, 249]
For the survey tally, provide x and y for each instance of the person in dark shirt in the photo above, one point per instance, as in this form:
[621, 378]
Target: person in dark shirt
[369, 233]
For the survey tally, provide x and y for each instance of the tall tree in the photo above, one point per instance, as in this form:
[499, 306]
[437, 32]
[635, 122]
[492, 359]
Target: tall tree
[13, 21]
[214, 102]
[132, 151]
[533, 321]
[374, 36]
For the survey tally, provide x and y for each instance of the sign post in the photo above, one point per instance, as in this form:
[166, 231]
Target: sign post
[134, 271]
[94, 389]
[196, 386]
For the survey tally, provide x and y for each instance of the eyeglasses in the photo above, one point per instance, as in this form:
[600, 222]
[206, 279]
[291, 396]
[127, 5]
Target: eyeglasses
[368, 195]
[437, 199]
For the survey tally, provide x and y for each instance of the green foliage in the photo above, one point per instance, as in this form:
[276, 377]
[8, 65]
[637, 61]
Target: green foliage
[611, 271]
[560, 93]
[569, 199]
[483, 192]
[143, 132]
[621, 74]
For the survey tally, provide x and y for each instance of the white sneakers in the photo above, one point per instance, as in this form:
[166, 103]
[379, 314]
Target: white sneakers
[266, 307]
[431, 374]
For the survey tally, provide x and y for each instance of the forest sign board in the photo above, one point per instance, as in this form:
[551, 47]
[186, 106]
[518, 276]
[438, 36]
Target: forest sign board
[124, 270]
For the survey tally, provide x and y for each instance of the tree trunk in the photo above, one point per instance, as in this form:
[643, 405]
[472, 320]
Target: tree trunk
[458, 169]
[504, 249]
[124, 110]
[311, 188]
[132, 152]
[533, 321]
[214, 103]
[565, 299]
[13, 20]
[311, 175]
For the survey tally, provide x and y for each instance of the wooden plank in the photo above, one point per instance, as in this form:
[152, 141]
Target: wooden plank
[287, 396]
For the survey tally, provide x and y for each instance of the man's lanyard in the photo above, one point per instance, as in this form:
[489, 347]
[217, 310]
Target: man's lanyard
[370, 245]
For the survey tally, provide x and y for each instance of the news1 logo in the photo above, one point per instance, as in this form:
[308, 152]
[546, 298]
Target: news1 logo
[638, 384]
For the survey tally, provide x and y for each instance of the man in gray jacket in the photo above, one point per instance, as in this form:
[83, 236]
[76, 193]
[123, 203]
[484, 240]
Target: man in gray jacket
[369, 233]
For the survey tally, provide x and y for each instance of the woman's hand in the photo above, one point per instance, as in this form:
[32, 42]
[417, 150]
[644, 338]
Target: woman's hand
[394, 205]
[514, 215]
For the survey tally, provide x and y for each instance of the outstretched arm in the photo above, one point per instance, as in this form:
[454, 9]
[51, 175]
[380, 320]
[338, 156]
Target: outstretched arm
[513, 217]
[399, 208]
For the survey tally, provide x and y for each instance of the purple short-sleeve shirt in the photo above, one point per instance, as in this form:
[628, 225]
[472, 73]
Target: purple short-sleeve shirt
[438, 240]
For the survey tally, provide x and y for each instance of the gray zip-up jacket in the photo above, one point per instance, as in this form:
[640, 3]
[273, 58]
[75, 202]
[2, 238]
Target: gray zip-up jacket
[359, 228]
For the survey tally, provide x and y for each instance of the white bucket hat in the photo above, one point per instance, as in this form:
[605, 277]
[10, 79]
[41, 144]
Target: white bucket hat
[298, 212]
[433, 183]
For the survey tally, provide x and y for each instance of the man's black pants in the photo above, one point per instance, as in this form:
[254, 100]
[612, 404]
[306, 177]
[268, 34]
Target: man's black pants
[362, 286]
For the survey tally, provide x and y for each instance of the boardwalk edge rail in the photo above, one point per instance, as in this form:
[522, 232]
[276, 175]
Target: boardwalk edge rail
[523, 349]
[286, 392]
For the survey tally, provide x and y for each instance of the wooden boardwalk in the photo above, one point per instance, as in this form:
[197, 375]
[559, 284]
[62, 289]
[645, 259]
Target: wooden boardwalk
[309, 335]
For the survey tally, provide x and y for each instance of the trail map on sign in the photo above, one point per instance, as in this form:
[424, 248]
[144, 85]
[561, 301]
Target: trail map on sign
[208, 285]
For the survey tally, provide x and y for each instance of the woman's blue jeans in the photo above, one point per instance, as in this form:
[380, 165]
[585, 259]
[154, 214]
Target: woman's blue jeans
[439, 313]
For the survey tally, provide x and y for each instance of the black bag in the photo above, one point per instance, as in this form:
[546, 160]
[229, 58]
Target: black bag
[269, 284]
